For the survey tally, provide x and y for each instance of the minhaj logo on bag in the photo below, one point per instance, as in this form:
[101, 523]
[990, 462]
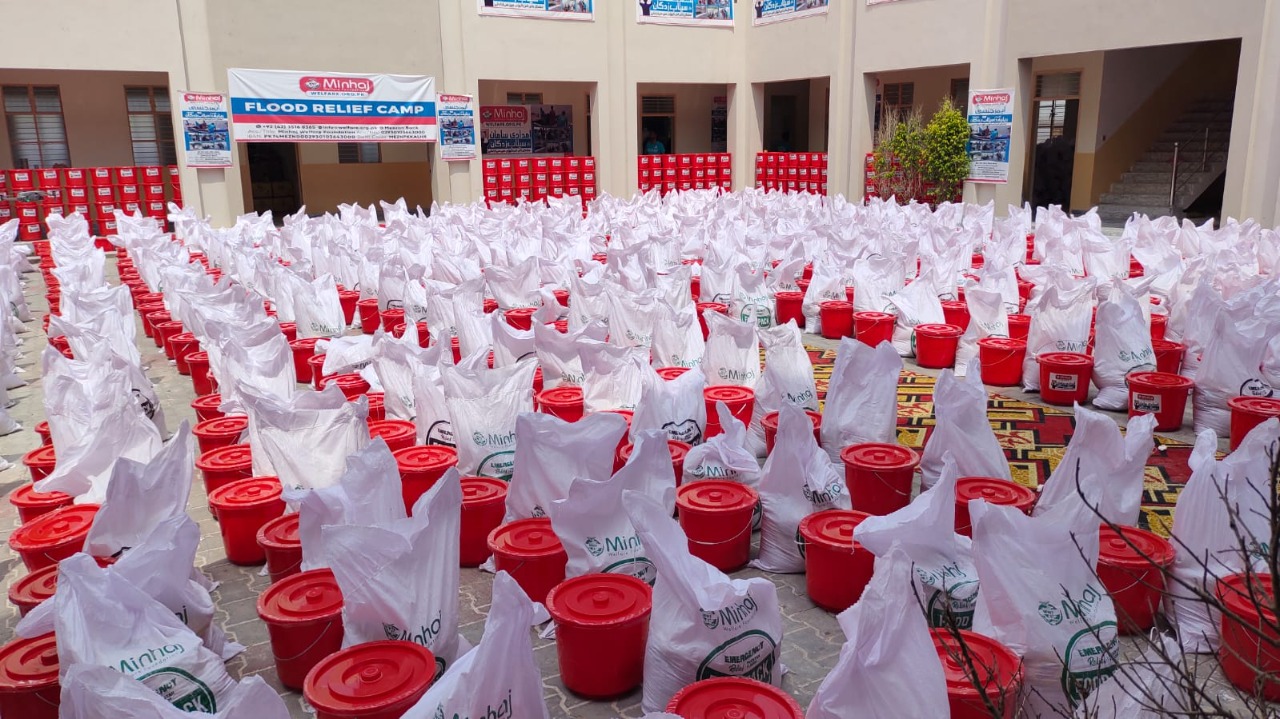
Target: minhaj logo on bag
[826, 496]
[321, 86]
[425, 634]
[502, 711]
[490, 439]
[730, 374]
[1050, 614]
[1256, 388]
[594, 547]
[731, 616]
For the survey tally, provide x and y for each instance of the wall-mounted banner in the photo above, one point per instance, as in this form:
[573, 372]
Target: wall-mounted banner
[545, 9]
[990, 131]
[879, 2]
[206, 129]
[696, 13]
[288, 106]
[526, 130]
[457, 116]
[767, 11]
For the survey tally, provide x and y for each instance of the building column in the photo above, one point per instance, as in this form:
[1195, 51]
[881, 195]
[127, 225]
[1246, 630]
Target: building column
[456, 182]
[1253, 165]
[992, 71]
[615, 115]
[850, 133]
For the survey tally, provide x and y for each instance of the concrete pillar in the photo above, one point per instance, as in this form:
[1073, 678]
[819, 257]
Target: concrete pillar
[1253, 165]
[992, 71]
[850, 132]
[746, 130]
[615, 114]
[457, 182]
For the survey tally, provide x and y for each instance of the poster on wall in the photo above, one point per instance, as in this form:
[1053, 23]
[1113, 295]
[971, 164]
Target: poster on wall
[990, 131]
[526, 130]
[289, 106]
[545, 9]
[720, 124]
[206, 129]
[695, 13]
[457, 117]
[769, 11]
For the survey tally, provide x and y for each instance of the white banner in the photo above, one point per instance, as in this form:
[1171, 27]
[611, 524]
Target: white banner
[990, 134]
[545, 9]
[770, 11]
[206, 129]
[288, 106]
[694, 13]
[457, 116]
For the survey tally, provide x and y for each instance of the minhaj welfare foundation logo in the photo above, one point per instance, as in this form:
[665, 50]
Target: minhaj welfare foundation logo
[321, 86]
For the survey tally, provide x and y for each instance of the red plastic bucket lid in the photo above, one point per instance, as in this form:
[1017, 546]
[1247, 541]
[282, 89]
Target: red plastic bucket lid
[565, 396]
[1003, 343]
[999, 668]
[596, 600]
[366, 678]
[377, 400]
[479, 491]
[351, 383]
[875, 456]
[26, 496]
[429, 458]
[280, 533]
[835, 305]
[725, 697]
[209, 402]
[1234, 591]
[1066, 360]
[715, 496]
[670, 373]
[392, 429]
[1142, 549]
[28, 665]
[56, 527]
[229, 426]
[306, 344]
[196, 358]
[832, 527]
[1167, 346]
[34, 588]
[224, 459]
[720, 307]
[679, 450]
[527, 538]
[876, 317]
[729, 394]
[302, 597]
[1156, 381]
[1257, 406]
[995, 491]
[521, 312]
[42, 456]
[939, 331]
[246, 493]
[789, 296]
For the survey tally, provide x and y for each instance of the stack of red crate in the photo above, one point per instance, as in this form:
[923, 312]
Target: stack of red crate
[869, 175]
[536, 178]
[175, 185]
[151, 179]
[103, 197]
[694, 171]
[95, 192]
[792, 172]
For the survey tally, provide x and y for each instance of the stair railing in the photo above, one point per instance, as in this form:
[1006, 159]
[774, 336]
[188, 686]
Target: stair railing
[1173, 179]
[1180, 182]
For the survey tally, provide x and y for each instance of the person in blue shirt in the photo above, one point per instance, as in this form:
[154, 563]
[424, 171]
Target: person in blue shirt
[652, 145]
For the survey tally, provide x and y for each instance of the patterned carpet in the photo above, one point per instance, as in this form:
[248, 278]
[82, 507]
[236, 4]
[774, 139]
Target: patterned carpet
[1034, 439]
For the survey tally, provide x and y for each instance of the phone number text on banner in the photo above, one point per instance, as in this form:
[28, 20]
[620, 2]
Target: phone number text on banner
[771, 11]
[286, 106]
[545, 9]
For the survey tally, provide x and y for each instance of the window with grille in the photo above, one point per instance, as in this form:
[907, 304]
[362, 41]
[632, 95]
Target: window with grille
[960, 93]
[150, 125]
[37, 133]
[524, 98]
[899, 97]
[359, 152]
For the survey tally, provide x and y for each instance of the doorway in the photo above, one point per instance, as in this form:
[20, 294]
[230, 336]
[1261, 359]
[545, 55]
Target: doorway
[780, 126]
[1053, 156]
[273, 176]
[657, 123]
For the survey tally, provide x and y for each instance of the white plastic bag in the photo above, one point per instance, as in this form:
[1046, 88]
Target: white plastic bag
[962, 429]
[483, 405]
[733, 351]
[1109, 467]
[305, 442]
[98, 692]
[430, 405]
[1230, 366]
[875, 279]
[862, 397]
[1122, 345]
[613, 376]
[140, 496]
[551, 453]
[987, 318]
[704, 624]
[591, 524]
[677, 337]
[317, 310]
[397, 363]
[825, 285]
[510, 345]
[558, 353]
[1145, 687]
[499, 675]
[675, 406]
[632, 317]
[400, 581]
[915, 304]
[888, 666]
[751, 301]
[1059, 323]
[798, 479]
[724, 456]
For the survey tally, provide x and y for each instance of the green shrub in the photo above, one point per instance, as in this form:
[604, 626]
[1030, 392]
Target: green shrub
[945, 151]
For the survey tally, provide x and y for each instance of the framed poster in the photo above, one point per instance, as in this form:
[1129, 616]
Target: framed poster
[526, 130]
[544, 9]
[206, 129]
[694, 13]
[771, 11]
[456, 115]
[990, 134]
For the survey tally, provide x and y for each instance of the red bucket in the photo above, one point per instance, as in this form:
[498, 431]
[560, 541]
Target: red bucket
[837, 568]
[183, 345]
[315, 369]
[165, 332]
[1158, 325]
[1064, 377]
[999, 672]
[564, 402]
[602, 626]
[46, 437]
[201, 377]
[40, 462]
[375, 680]
[733, 697]
[397, 433]
[207, 407]
[28, 592]
[484, 502]
[289, 330]
[562, 297]
[1001, 359]
[225, 465]
[1249, 653]
[242, 508]
[303, 614]
[717, 517]
[369, 319]
[1249, 412]
[770, 424]
[788, 307]
[530, 551]
[279, 541]
[154, 319]
[377, 406]
[995, 491]
[456, 347]
[879, 476]
[1134, 575]
[348, 299]
[221, 432]
[29, 686]
[490, 305]
[31, 504]
[936, 345]
[714, 307]
[670, 373]
[421, 467]
[679, 450]
[520, 318]
[1168, 355]
[740, 401]
[835, 318]
[351, 384]
[872, 328]
[1164, 395]
[391, 317]
[303, 350]
[51, 538]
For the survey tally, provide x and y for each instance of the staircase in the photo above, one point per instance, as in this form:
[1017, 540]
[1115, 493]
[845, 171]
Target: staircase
[1202, 158]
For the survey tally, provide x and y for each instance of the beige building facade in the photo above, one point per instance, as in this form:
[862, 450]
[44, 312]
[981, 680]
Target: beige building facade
[1103, 89]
